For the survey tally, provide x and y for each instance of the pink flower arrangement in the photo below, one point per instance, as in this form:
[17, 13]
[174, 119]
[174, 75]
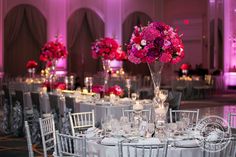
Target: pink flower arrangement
[107, 48]
[31, 64]
[55, 85]
[53, 50]
[185, 66]
[97, 89]
[116, 90]
[155, 42]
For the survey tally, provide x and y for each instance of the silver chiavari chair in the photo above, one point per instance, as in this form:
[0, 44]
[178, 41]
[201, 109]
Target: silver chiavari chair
[232, 120]
[191, 115]
[71, 145]
[48, 134]
[28, 137]
[81, 121]
[146, 114]
[142, 150]
[221, 147]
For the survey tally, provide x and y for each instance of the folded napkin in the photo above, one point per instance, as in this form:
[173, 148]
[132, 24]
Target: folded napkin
[111, 141]
[92, 132]
[151, 141]
[215, 135]
[187, 143]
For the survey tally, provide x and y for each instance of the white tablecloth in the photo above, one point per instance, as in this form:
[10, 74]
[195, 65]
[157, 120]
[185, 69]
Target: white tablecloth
[100, 150]
[102, 110]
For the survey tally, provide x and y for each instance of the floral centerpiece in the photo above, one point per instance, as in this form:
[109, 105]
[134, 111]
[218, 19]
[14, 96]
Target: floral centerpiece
[108, 49]
[185, 68]
[155, 44]
[116, 90]
[31, 66]
[52, 51]
[54, 85]
[97, 89]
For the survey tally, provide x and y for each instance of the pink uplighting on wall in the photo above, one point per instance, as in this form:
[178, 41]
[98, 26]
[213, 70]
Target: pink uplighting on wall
[229, 44]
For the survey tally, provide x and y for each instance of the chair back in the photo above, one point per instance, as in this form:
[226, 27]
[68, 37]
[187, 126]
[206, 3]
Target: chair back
[222, 147]
[28, 137]
[232, 120]
[70, 102]
[35, 97]
[6, 92]
[71, 145]
[191, 115]
[47, 128]
[54, 103]
[142, 150]
[81, 121]
[174, 99]
[146, 114]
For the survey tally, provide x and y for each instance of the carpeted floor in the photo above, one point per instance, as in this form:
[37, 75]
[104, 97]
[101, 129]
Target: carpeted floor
[13, 147]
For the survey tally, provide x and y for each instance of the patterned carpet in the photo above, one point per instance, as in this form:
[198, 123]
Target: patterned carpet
[17, 147]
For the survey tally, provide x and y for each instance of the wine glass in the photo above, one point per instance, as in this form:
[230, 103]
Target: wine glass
[172, 127]
[128, 85]
[186, 120]
[86, 82]
[134, 96]
[105, 125]
[90, 82]
[150, 129]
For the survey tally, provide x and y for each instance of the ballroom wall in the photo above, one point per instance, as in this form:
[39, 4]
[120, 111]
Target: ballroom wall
[189, 16]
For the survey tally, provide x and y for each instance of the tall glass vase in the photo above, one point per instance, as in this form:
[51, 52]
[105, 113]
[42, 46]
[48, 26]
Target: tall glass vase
[155, 69]
[52, 75]
[106, 68]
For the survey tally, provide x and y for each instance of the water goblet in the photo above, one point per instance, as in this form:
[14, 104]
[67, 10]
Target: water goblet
[134, 96]
[172, 127]
[104, 126]
[86, 82]
[128, 85]
[150, 129]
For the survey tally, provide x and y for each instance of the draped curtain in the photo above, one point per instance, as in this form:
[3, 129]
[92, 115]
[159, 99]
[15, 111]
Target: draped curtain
[136, 18]
[84, 27]
[24, 35]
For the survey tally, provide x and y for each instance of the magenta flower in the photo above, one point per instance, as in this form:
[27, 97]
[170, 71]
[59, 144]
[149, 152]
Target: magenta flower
[155, 42]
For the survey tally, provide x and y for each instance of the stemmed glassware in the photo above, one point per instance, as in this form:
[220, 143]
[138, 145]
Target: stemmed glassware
[128, 85]
[90, 82]
[150, 129]
[86, 82]
[134, 96]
